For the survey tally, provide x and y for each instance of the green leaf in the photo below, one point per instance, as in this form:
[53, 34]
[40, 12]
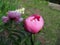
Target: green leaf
[37, 42]
[1, 30]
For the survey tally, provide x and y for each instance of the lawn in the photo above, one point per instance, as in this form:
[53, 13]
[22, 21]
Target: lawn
[49, 35]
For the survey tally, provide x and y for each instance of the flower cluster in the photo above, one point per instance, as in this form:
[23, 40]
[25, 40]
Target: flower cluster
[32, 24]
[14, 15]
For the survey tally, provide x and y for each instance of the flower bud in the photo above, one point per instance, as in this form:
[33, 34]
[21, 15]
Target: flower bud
[34, 23]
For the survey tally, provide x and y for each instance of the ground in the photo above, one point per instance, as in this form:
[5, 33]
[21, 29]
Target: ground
[49, 35]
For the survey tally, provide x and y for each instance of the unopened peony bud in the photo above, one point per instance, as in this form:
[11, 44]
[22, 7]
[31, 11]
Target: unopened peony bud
[34, 23]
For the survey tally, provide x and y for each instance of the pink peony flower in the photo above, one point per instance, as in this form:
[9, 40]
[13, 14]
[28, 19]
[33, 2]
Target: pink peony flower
[5, 19]
[34, 23]
[14, 15]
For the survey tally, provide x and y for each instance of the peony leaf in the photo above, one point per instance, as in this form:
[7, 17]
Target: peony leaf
[37, 42]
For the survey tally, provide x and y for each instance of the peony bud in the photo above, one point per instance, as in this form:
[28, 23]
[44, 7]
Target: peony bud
[5, 19]
[34, 23]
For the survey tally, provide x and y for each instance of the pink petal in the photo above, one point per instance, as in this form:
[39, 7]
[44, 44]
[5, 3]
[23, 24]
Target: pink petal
[5, 19]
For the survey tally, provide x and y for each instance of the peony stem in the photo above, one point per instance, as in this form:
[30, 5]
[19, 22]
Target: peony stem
[32, 39]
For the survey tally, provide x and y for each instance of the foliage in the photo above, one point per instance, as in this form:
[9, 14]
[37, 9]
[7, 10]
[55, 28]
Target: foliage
[12, 34]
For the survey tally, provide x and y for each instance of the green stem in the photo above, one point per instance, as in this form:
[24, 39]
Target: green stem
[32, 39]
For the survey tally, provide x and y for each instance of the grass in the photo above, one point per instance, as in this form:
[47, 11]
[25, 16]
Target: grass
[50, 33]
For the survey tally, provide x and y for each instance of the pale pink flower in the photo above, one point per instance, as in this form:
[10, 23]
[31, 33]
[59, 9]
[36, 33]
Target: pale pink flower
[34, 23]
[5, 19]
[20, 20]
[14, 15]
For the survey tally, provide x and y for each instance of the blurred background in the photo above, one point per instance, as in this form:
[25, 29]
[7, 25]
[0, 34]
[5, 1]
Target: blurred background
[50, 34]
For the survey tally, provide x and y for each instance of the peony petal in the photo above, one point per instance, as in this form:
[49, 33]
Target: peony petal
[20, 20]
[5, 19]
[14, 14]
